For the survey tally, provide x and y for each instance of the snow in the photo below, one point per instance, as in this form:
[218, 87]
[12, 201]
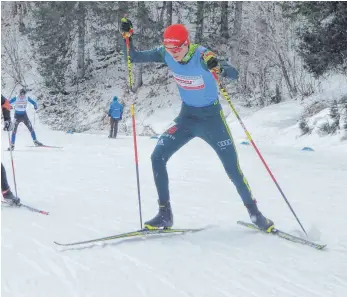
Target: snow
[89, 187]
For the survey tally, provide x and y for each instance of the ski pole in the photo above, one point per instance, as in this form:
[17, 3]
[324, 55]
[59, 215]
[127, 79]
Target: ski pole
[130, 73]
[136, 162]
[130, 76]
[129, 64]
[227, 98]
[13, 171]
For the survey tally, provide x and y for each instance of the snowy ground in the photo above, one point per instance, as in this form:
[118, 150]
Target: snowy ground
[89, 187]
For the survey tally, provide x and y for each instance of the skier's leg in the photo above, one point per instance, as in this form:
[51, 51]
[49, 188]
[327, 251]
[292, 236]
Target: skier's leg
[169, 143]
[27, 123]
[217, 134]
[5, 188]
[17, 120]
[4, 183]
[115, 128]
[111, 127]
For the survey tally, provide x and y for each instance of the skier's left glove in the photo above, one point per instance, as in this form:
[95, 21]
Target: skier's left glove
[212, 62]
[8, 126]
[126, 28]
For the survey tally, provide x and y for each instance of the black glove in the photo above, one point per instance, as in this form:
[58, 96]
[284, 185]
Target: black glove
[213, 65]
[8, 126]
[126, 27]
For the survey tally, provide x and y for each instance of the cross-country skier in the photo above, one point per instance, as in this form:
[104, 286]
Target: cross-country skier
[20, 115]
[201, 116]
[115, 113]
[5, 188]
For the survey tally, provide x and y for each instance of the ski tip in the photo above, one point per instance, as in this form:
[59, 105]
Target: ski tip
[57, 243]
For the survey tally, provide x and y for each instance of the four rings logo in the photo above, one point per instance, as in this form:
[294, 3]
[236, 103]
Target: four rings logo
[224, 143]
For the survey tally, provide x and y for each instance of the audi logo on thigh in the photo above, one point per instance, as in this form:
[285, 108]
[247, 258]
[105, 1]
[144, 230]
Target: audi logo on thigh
[224, 143]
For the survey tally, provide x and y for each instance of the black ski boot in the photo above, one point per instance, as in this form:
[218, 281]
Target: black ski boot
[164, 218]
[38, 143]
[10, 198]
[258, 219]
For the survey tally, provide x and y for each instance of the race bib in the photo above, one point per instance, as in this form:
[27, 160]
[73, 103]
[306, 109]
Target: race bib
[189, 82]
[21, 104]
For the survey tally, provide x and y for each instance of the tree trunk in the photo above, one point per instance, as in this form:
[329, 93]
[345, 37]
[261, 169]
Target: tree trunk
[123, 8]
[199, 22]
[169, 13]
[224, 19]
[161, 17]
[235, 39]
[20, 10]
[81, 42]
[292, 90]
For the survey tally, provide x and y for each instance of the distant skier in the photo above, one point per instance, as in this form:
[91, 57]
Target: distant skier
[201, 116]
[20, 115]
[5, 188]
[115, 113]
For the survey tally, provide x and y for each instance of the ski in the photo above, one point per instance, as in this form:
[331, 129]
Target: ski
[138, 233]
[33, 209]
[46, 146]
[286, 236]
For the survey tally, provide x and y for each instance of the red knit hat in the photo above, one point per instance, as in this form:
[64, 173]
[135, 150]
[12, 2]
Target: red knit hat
[176, 34]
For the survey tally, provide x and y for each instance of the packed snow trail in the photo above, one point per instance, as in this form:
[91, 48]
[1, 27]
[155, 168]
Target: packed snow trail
[89, 188]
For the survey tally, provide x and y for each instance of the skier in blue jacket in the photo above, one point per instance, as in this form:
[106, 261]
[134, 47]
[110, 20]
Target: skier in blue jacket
[201, 116]
[20, 115]
[115, 113]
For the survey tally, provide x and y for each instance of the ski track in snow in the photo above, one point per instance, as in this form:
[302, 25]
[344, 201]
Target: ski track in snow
[89, 188]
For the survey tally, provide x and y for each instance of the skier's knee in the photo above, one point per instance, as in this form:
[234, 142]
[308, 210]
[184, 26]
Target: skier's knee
[158, 158]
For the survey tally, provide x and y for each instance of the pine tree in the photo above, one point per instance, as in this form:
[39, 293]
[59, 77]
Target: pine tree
[52, 39]
[343, 103]
[323, 35]
[335, 115]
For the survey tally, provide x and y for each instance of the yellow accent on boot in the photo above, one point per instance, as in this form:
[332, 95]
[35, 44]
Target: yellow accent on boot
[149, 227]
[269, 230]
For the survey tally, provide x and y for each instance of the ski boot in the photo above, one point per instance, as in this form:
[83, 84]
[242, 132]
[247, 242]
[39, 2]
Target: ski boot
[164, 218]
[258, 219]
[38, 143]
[10, 199]
[11, 148]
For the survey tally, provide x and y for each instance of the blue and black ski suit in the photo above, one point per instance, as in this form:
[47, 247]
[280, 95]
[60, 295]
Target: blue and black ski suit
[201, 116]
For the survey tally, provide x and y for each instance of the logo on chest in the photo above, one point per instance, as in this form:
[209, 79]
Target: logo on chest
[189, 82]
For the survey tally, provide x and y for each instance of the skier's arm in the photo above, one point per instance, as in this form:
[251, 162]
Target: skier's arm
[154, 55]
[13, 100]
[33, 102]
[210, 62]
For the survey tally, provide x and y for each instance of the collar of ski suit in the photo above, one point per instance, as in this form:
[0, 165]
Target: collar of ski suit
[190, 53]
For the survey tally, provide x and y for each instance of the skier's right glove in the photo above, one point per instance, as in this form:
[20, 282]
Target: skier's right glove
[8, 126]
[126, 28]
